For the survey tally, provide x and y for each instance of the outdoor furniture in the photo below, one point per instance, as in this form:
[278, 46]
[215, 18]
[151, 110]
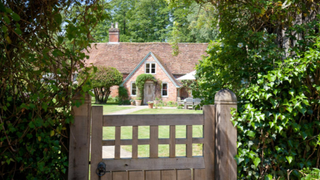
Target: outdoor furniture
[191, 102]
[188, 102]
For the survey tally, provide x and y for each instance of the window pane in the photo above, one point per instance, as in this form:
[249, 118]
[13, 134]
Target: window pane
[164, 89]
[153, 68]
[133, 92]
[147, 68]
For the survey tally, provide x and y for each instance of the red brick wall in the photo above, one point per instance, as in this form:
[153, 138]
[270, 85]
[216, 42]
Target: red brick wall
[114, 91]
[160, 74]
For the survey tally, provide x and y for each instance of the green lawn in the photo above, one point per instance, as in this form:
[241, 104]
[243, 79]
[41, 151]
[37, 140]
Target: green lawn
[167, 111]
[110, 108]
[143, 133]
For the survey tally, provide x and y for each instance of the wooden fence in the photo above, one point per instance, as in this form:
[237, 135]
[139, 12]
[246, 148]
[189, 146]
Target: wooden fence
[218, 140]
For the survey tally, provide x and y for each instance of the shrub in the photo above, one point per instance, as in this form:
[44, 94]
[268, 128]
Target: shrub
[123, 94]
[101, 79]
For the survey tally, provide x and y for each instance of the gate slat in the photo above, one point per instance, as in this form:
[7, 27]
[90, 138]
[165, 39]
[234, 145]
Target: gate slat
[117, 142]
[189, 141]
[154, 163]
[136, 175]
[134, 142]
[96, 140]
[119, 175]
[199, 174]
[154, 141]
[107, 176]
[184, 174]
[209, 136]
[153, 175]
[168, 175]
[154, 119]
[172, 144]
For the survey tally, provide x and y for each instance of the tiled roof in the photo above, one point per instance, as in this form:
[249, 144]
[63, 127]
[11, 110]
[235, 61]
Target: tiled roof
[126, 56]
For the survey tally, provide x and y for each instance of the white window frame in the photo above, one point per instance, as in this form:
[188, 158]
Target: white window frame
[150, 67]
[167, 89]
[132, 89]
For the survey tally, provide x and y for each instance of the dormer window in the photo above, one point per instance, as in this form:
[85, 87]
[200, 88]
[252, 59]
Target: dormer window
[150, 68]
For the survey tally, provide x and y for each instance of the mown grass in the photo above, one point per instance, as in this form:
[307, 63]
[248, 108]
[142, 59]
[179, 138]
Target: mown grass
[163, 150]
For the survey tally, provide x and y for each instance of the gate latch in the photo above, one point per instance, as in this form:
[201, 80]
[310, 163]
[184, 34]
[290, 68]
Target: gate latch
[101, 170]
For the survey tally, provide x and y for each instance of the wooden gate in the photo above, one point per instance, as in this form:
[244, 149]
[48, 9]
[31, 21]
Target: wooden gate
[153, 167]
[217, 160]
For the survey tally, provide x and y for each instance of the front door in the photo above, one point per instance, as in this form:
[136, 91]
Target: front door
[148, 92]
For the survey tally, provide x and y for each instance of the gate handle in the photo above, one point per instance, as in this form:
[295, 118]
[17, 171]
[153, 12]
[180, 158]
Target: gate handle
[101, 169]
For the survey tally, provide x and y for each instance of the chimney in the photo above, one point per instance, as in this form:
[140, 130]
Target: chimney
[114, 34]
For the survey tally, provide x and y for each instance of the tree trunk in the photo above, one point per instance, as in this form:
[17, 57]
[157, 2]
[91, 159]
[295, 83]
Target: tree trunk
[101, 95]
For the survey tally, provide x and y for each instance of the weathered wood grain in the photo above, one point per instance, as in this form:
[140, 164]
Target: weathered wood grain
[79, 142]
[172, 141]
[153, 175]
[154, 141]
[120, 175]
[96, 140]
[154, 119]
[189, 141]
[199, 174]
[136, 175]
[117, 142]
[226, 136]
[184, 174]
[154, 163]
[168, 175]
[209, 135]
[134, 142]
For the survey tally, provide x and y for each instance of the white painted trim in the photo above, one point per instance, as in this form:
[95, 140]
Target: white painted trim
[150, 65]
[167, 89]
[131, 89]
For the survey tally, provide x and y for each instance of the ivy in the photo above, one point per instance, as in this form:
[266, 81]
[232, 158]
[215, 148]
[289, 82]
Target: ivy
[276, 82]
[140, 81]
[36, 90]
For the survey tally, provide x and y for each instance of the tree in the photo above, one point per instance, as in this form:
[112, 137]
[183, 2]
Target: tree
[102, 80]
[268, 54]
[36, 89]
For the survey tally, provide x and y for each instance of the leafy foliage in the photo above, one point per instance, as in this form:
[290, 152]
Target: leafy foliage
[311, 174]
[268, 54]
[157, 21]
[123, 95]
[36, 90]
[140, 81]
[101, 80]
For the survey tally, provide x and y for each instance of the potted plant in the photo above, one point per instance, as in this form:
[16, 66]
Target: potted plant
[138, 101]
[132, 101]
[150, 104]
[156, 100]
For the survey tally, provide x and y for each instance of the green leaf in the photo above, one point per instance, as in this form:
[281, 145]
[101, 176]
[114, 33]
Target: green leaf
[18, 31]
[58, 18]
[2, 8]
[251, 133]
[268, 177]
[4, 29]
[256, 161]
[289, 158]
[15, 16]
[6, 19]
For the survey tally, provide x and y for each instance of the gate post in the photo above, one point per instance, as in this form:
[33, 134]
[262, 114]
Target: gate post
[226, 136]
[80, 139]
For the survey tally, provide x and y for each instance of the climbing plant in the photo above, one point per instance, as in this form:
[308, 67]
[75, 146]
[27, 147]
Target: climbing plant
[141, 80]
[36, 88]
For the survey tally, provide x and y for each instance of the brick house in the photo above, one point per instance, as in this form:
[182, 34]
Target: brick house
[133, 59]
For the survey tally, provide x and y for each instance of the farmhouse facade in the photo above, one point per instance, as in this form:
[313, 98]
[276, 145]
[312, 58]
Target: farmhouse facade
[133, 59]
